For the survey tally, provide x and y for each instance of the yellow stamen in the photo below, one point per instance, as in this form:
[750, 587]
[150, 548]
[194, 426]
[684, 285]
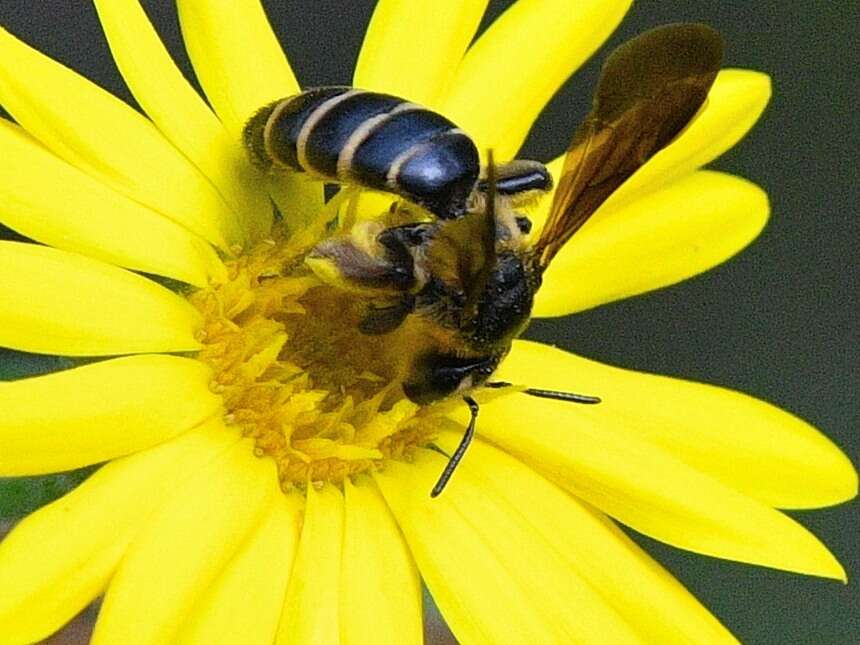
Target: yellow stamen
[296, 375]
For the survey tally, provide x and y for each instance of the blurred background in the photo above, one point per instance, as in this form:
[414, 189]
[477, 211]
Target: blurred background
[780, 321]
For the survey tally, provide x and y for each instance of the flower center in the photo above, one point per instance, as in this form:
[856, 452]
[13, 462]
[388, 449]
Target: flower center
[296, 374]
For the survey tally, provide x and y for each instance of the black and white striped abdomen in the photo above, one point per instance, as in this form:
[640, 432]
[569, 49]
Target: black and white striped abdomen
[379, 141]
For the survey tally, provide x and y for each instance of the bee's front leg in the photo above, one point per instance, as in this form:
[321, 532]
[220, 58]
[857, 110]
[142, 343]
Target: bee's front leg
[388, 317]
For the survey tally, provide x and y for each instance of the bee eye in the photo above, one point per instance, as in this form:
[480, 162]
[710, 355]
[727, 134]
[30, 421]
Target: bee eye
[524, 224]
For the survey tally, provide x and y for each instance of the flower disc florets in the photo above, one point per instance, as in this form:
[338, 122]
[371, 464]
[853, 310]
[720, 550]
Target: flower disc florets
[296, 374]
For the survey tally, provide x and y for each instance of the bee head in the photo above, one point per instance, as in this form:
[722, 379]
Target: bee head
[504, 306]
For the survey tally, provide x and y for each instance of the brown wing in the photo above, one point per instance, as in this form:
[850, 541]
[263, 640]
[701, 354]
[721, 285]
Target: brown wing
[650, 88]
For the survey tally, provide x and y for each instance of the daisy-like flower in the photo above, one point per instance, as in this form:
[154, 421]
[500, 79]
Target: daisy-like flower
[262, 482]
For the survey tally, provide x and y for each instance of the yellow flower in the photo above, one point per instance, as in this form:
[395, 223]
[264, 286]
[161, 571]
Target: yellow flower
[246, 499]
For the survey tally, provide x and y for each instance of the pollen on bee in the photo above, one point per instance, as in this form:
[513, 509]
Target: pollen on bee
[298, 377]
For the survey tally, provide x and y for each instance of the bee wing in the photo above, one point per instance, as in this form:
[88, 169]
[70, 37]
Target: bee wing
[650, 88]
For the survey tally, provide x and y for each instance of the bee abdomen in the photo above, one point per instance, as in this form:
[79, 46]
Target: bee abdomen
[272, 134]
[379, 141]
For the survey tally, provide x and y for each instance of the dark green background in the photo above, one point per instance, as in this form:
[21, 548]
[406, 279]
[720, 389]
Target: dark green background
[779, 321]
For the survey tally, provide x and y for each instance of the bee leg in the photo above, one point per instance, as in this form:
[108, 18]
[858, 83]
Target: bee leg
[461, 449]
[556, 395]
[350, 215]
[399, 239]
[382, 320]
[520, 181]
[366, 262]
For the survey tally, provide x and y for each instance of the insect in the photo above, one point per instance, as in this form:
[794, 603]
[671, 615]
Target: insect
[472, 267]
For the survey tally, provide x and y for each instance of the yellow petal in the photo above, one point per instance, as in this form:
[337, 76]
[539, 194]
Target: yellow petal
[649, 489]
[179, 112]
[412, 49]
[236, 57]
[311, 607]
[61, 557]
[379, 585]
[512, 71]
[493, 576]
[109, 140]
[183, 549]
[638, 588]
[747, 444]
[51, 201]
[298, 198]
[662, 238]
[100, 411]
[735, 103]
[53, 302]
[241, 67]
[244, 605]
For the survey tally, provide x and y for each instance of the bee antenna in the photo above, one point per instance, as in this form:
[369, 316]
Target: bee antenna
[491, 184]
[455, 459]
[487, 223]
[490, 213]
[556, 395]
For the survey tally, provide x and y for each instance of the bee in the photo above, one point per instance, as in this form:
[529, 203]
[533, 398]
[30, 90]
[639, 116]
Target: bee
[472, 267]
